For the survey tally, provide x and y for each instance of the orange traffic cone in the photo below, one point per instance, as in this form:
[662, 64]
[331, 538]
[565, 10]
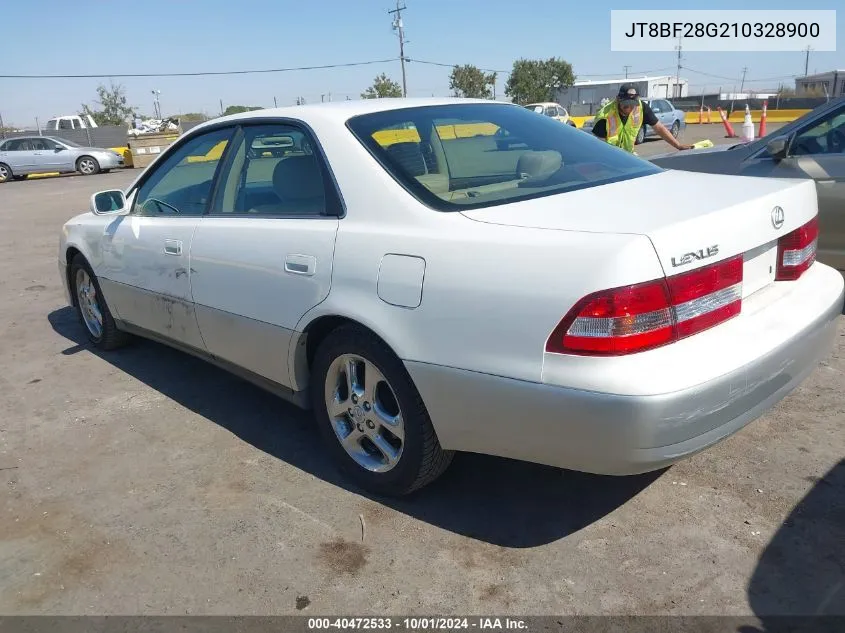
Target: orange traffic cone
[762, 131]
[728, 128]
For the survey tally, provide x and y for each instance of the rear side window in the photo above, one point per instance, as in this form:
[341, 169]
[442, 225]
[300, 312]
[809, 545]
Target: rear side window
[274, 172]
[456, 157]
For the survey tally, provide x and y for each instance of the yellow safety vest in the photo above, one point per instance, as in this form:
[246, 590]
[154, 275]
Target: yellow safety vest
[620, 134]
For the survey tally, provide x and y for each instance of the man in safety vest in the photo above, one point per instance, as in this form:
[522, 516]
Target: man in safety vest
[620, 121]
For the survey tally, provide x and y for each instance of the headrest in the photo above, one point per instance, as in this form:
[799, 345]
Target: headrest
[298, 178]
[539, 164]
[409, 155]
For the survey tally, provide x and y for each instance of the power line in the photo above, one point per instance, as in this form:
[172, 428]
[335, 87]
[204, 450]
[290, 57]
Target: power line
[422, 61]
[699, 72]
[203, 73]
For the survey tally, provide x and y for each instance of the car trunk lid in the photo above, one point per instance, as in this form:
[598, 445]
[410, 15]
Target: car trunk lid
[692, 219]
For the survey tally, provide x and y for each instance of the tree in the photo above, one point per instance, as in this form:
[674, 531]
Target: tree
[382, 88]
[191, 116]
[237, 109]
[114, 109]
[468, 81]
[538, 80]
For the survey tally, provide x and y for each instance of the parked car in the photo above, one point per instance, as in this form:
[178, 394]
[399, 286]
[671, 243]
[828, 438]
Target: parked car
[436, 295]
[551, 110]
[811, 147]
[674, 120]
[26, 155]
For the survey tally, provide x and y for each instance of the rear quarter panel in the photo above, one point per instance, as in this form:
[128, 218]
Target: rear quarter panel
[491, 294]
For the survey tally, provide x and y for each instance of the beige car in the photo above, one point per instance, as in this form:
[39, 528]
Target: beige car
[812, 147]
[552, 110]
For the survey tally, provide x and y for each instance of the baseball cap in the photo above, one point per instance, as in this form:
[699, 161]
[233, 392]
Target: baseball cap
[628, 94]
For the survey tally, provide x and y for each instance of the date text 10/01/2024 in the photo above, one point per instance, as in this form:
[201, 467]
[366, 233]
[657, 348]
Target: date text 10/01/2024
[418, 624]
[675, 30]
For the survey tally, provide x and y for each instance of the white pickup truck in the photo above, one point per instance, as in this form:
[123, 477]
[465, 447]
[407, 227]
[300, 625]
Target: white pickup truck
[71, 122]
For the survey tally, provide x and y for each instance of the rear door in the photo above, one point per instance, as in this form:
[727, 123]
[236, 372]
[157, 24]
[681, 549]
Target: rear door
[262, 257]
[19, 155]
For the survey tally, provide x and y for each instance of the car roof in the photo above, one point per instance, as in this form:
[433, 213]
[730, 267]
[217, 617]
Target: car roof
[341, 111]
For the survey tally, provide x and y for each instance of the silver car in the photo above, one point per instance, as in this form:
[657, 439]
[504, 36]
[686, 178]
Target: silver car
[26, 155]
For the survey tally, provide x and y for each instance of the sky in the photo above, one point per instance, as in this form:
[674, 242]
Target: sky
[155, 36]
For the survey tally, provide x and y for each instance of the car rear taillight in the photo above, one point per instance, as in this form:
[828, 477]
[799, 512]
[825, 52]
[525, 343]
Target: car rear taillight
[797, 251]
[648, 315]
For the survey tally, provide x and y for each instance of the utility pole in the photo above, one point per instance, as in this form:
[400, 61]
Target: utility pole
[2, 128]
[626, 71]
[275, 104]
[400, 28]
[221, 107]
[742, 83]
[678, 73]
[807, 60]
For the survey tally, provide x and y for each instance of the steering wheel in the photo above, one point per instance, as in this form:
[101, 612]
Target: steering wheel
[836, 141]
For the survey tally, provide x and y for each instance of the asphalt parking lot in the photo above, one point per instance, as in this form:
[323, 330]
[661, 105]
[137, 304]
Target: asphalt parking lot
[148, 482]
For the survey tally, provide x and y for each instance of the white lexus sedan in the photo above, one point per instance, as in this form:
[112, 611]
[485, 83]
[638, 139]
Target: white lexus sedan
[385, 264]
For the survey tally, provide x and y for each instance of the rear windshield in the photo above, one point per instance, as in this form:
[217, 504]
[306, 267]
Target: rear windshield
[467, 156]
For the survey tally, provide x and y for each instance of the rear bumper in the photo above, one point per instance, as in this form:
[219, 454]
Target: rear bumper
[614, 434]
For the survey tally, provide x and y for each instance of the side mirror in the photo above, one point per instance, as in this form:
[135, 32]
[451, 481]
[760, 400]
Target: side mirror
[112, 202]
[778, 147]
[58, 149]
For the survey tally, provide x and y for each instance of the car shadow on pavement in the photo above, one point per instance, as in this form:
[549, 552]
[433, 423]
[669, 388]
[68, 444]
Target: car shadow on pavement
[499, 501]
[799, 580]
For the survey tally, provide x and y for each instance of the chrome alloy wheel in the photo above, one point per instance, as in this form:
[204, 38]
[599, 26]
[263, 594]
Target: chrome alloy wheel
[87, 166]
[364, 413]
[86, 294]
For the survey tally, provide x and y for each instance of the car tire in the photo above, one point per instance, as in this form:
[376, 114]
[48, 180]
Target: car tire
[5, 173]
[676, 128]
[87, 166]
[91, 308]
[377, 458]
[640, 136]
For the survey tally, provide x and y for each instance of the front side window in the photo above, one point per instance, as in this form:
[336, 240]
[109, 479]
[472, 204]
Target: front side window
[273, 172]
[459, 156]
[181, 184]
[42, 144]
[823, 137]
[65, 124]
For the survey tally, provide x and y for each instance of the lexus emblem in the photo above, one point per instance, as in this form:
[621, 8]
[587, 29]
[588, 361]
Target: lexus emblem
[777, 217]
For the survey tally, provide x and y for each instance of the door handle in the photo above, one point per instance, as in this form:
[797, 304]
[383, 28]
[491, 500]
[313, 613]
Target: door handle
[172, 247]
[301, 264]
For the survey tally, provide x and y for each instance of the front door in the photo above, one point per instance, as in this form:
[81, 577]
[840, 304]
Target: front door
[53, 157]
[262, 257]
[146, 273]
